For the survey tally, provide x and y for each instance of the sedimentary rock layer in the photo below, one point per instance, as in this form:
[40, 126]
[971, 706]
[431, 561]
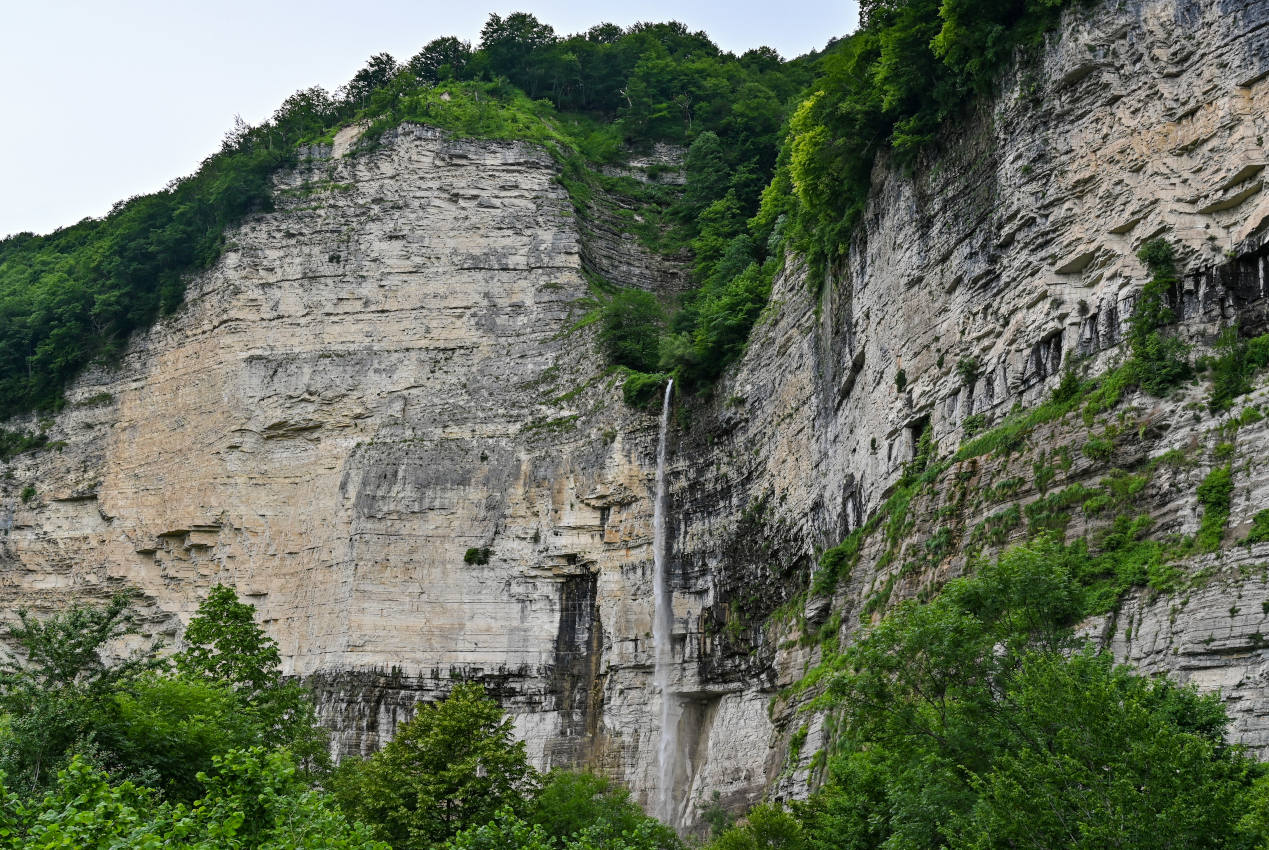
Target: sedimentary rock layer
[384, 418]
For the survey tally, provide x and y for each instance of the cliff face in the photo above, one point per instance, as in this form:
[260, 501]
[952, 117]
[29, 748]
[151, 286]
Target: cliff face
[379, 376]
[394, 368]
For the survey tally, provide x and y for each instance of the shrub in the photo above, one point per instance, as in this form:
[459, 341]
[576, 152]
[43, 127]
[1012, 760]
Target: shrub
[1099, 449]
[1229, 370]
[1160, 361]
[478, 556]
[1214, 495]
[974, 423]
[837, 562]
[642, 389]
[967, 368]
[1259, 528]
[1069, 388]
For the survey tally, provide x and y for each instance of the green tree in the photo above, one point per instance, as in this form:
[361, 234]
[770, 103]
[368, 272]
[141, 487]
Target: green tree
[707, 173]
[223, 644]
[453, 766]
[378, 72]
[441, 59]
[632, 322]
[61, 686]
[510, 45]
[1160, 360]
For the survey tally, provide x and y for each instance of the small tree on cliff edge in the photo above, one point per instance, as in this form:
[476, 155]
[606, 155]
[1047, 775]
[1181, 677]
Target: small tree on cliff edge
[453, 766]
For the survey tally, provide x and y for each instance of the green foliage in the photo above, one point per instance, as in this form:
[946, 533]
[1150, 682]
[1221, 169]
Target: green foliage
[1259, 528]
[17, 442]
[1159, 361]
[631, 333]
[136, 717]
[60, 687]
[974, 424]
[837, 562]
[477, 555]
[224, 644]
[1229, 370]
[1232, 368]
[642, 389]
[74, 296]
[977, 720]
[27, 494]
[767, 825]
[572, 805]
[255, 799]
[1099, 449]
[167, 731]
[900, 380]
[452, 767]
[968, 368]
[1069, 388]
[1214, 495]
[440, 59]
[909, 68]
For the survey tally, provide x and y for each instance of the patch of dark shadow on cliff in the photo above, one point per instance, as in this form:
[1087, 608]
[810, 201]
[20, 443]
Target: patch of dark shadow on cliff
[573, 678]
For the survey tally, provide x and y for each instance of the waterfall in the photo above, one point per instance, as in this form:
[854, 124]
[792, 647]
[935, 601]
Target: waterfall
[662, 627]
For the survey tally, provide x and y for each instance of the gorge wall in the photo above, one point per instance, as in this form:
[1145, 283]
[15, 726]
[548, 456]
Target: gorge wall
[395, 367]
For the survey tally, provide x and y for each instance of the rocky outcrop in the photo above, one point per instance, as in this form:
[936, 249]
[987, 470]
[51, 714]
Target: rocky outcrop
[396, 369]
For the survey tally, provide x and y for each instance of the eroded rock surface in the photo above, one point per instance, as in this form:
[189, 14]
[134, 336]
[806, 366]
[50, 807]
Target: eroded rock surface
[393, 369]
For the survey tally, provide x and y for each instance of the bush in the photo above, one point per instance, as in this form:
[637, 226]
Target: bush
[967, 368]
[572, 804]
[1229, 370]
[837, 562]
[1259, 528]
[644, 390]
[1214, 495]
[1099, 449]
[254, 799]
[478, 556]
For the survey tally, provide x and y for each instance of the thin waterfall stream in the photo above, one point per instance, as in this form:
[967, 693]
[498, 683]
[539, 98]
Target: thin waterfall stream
[662, 627]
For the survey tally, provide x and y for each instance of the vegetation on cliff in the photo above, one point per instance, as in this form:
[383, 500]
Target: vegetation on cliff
[978, 719]
[777, 151]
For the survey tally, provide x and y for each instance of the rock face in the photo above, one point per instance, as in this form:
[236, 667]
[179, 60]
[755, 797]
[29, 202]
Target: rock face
[384, 418]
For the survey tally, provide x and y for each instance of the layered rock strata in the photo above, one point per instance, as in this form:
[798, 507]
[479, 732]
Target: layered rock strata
[384, 418]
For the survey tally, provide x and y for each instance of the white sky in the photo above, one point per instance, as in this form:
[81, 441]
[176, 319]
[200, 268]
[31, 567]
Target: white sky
[100, 101]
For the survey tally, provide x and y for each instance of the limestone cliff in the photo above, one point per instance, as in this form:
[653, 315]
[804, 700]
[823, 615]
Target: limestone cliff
[394, 368]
